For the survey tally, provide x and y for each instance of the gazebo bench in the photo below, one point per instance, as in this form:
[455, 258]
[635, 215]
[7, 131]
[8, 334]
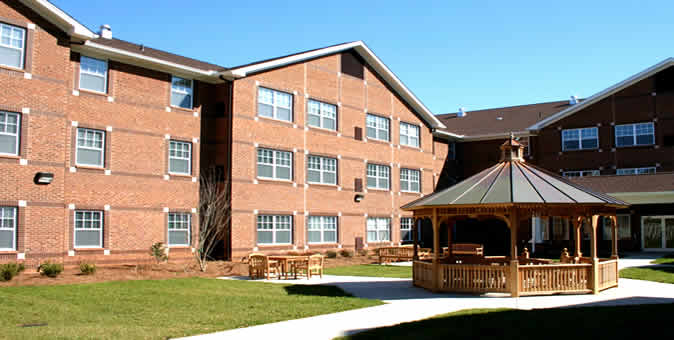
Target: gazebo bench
[472, 249]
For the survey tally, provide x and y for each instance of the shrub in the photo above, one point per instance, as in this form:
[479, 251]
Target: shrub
[331, 254]
[50, 269]
[158, 252]
[362, 252]
[87, 268]
[346, 253]
[9, 270]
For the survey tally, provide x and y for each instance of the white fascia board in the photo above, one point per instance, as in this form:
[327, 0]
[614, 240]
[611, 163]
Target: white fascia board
[474, 138]
[154, 63]
[603, 94]
[60, 18]
[448, 135]
[364, 52]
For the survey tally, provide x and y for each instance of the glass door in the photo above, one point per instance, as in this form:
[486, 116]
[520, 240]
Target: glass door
[669, 232]
[657, 232]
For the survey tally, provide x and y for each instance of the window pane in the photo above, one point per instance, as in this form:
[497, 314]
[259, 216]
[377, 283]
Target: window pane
[414, 186]
[265, 110]
[89, 157]
[265, 170]
[313, 176]
[330, 236]
[8, 144]
[264, 237]
[91, 82]
[645, 139]
[181, 166]
[571, 145]
[283, 236]
[283, 173]
[314, 236]
[371, 236]
[283, 114]
[178, 237]
[625, 141]
[6, 239]
[329, 178]
[382, 134]
[88, 238]
[329, 124]
[371, 132]
[314, 120]
[10, 57]
[181, 100]
[383, 183]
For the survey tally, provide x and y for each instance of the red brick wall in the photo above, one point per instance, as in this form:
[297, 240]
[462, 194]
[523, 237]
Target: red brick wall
[135, 114]
[321, 79]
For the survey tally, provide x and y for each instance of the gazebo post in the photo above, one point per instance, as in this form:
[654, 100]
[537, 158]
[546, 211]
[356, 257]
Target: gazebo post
[436, 246]
[595, 259]
[614, 237]
[415, 239]
[577, 224]
[514, 264]
[449, 237]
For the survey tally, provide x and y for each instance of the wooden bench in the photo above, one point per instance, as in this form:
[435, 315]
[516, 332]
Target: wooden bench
[472, 249]
[395, 254]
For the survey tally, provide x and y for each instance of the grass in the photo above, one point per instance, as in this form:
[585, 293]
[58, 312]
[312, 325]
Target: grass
[160, 309]
[667, 259]
[550, 324]
[664, 274]
[373, 270]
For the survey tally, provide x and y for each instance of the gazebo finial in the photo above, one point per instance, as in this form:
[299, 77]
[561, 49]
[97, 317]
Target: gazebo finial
[511, 150]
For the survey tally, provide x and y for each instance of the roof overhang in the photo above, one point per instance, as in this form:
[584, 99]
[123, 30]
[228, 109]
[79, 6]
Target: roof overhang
[475, 138]
[60, 18]
[447, 135]
[382, 70]
[98, 50]
[658, 197]
[603, 94]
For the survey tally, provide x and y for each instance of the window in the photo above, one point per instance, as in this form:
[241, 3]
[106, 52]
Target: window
[12, 45]
[406, 224]
[180, 157]
[8, 228]
[409, 180]
[274, 229]
[378, 176]
[93, 74]
[322, 115]
[636, 171]
[274, 164]
[580, 173]
[634, 134]
[274, 104]
[179, 229]
[451, 151]
[88, 229]
[321, 170]
[181, 92]
[90, 147]
[322, 229]
[9, 133]
[409, 134]
[378, 127]
[560, 228]
[580, 139]
[378, 229]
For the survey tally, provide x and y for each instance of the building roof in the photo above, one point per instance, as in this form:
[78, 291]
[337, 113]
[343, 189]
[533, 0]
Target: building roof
[634, 189]
[514, 181]
[485, 124]
[59, 18]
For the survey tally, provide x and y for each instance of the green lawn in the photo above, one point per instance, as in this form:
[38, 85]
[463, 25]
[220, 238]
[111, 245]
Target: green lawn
[160, 309]
[663, 274]
[667, 259]
[550, 324]
[374, 270]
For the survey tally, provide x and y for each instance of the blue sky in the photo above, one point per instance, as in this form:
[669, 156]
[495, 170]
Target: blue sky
[451, 54]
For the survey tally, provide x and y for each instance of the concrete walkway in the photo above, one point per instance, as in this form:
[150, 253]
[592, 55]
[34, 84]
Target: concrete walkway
[406, 303]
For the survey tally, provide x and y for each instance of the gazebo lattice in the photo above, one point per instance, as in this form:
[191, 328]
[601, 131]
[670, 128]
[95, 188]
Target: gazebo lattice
[513, 191]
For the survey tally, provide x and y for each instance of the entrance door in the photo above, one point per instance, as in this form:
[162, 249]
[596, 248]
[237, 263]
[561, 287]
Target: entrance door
[657, 233]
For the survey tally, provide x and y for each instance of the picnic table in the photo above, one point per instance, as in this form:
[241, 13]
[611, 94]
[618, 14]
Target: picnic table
[287, 263]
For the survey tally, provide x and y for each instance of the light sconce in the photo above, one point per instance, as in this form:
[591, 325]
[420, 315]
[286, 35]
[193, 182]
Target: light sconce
[358, 198]
[43, 178]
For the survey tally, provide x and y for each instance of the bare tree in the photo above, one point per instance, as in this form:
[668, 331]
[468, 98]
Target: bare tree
[214, 215]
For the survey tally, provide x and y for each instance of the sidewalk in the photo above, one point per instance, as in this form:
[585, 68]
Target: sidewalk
[407, 303]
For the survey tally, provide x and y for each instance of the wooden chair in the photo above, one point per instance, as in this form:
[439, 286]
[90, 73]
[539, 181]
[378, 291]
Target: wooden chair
[312, 265]
[259, 266]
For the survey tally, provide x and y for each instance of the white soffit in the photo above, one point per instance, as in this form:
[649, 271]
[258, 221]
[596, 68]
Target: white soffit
[60, 18]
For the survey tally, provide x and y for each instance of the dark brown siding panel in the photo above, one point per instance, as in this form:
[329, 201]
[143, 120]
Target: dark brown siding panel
[352, 64]
[358, 185]
[358, 133]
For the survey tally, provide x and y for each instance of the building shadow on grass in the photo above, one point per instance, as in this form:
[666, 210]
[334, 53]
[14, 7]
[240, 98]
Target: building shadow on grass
[316, 290]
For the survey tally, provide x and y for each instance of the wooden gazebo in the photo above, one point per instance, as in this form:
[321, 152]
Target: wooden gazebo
[514, 191]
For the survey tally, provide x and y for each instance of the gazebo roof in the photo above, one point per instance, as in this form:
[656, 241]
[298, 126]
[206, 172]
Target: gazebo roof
[514, 181]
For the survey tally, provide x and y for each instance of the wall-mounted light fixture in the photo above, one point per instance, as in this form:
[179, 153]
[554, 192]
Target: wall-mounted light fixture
[358, 198]
[43, 178]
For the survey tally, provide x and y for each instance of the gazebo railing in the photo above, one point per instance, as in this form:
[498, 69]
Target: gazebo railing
[423, 274]
[473, 278]
[550, 279]
[608, 274]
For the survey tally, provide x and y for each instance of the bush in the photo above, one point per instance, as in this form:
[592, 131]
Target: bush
[331, 254]
[362, 252]
[9, 270]
[87, 268]
[50, 269]
[346, 253]
[157, 251]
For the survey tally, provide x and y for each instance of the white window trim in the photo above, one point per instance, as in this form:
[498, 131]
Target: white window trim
[273, 230]
[274, 110]
[75, 229]
[17, 135]
[274, 165]
[105, 77]
[189, 230]
[191, 93]
[22, 49]
[189, 159]
[322, 114]
[635, 171]
[581, 173]
[418, 136]
[13, 229]
[634, 135]
[77, 147]
[409, 180]
[376, 176]
[377, 128]
[322, 229]
[410, 228]
[377, 229]
[580, 139]
[322, 171]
